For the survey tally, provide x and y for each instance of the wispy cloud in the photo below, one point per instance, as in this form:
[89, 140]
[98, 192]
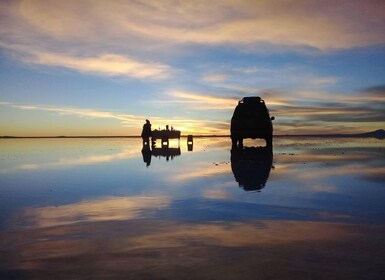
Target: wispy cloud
[376, 91]
[313, 24]
[200, 101]
[141, 26]
[304, 111]
[314, 111]
[134, 122]
[104, 64]
[219, 77]
[251, 80]
[152, 40]
[89, 113]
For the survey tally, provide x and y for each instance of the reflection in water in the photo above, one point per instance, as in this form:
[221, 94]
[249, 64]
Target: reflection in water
[164, 151]
[190, 143]
[88, 209]
[146, 154]
[251, 166]
[96, 210]
[166, 249]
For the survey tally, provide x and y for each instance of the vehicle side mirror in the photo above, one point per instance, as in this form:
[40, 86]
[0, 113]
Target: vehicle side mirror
[272, 118]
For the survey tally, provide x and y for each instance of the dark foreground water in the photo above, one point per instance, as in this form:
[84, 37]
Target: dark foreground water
[309, 208]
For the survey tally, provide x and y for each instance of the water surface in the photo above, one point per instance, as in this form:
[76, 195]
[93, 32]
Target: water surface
[109, 208]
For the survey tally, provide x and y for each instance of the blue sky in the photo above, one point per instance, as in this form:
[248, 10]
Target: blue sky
[103, 67]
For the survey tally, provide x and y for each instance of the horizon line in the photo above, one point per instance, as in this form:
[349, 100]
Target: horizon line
[365, 134]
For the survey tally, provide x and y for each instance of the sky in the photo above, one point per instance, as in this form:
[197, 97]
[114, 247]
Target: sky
[96, 67]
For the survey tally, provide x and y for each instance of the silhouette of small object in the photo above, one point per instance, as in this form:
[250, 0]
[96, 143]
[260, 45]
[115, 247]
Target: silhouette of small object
[189, 139]
[190, 143]
[190, 147]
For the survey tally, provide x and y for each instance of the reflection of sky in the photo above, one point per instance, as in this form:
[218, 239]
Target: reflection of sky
[95, 201]
[274, 249]
[340, 178]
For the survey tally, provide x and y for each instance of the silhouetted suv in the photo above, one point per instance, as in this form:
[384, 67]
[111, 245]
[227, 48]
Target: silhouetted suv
[251, 119]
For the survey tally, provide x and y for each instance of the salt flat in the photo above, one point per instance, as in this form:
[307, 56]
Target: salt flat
[111, 209]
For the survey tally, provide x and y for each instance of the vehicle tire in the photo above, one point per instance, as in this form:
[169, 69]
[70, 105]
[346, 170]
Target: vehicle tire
[240, 142]
[234, 140]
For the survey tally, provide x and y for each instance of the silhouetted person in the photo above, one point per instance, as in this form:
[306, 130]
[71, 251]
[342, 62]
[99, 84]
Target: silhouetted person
[167, 129]
[146, 133]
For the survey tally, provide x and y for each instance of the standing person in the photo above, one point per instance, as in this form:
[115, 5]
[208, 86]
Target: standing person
[146, 133]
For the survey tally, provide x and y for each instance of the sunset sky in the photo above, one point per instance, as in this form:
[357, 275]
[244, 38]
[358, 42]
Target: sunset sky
[97, 67]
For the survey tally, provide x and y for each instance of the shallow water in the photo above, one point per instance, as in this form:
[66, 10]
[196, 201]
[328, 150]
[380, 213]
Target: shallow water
[107, 208]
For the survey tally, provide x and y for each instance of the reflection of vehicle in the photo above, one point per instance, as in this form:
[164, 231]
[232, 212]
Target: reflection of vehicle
[251, 119]
[251, 166]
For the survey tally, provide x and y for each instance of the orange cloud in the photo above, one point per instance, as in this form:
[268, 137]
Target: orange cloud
[105, 64]
[141, 26]
[134, 122]
[203, 101]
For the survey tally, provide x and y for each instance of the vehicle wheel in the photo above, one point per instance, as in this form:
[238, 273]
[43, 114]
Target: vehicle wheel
[234, 141]
[240, 140]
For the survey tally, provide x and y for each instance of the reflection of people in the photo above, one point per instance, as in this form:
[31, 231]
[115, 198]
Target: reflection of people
[146, 153]
[168, 153]
[146, 132]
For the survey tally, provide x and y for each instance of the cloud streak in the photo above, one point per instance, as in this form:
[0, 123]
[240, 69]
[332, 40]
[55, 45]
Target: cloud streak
[305, 112]
[205, 101]
[104, 64]
[168, 46]
[134, 122]
[73, 28]
[291, 23]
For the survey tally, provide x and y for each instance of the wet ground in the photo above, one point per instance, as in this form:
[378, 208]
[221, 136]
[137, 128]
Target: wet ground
[309, 208]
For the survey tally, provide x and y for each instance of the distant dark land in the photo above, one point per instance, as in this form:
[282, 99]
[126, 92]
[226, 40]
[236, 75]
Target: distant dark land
[379, 134]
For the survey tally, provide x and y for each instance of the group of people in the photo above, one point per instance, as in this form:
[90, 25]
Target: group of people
[147, 132]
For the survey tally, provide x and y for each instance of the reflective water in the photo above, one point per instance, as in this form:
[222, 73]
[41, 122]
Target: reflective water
[111, 209]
